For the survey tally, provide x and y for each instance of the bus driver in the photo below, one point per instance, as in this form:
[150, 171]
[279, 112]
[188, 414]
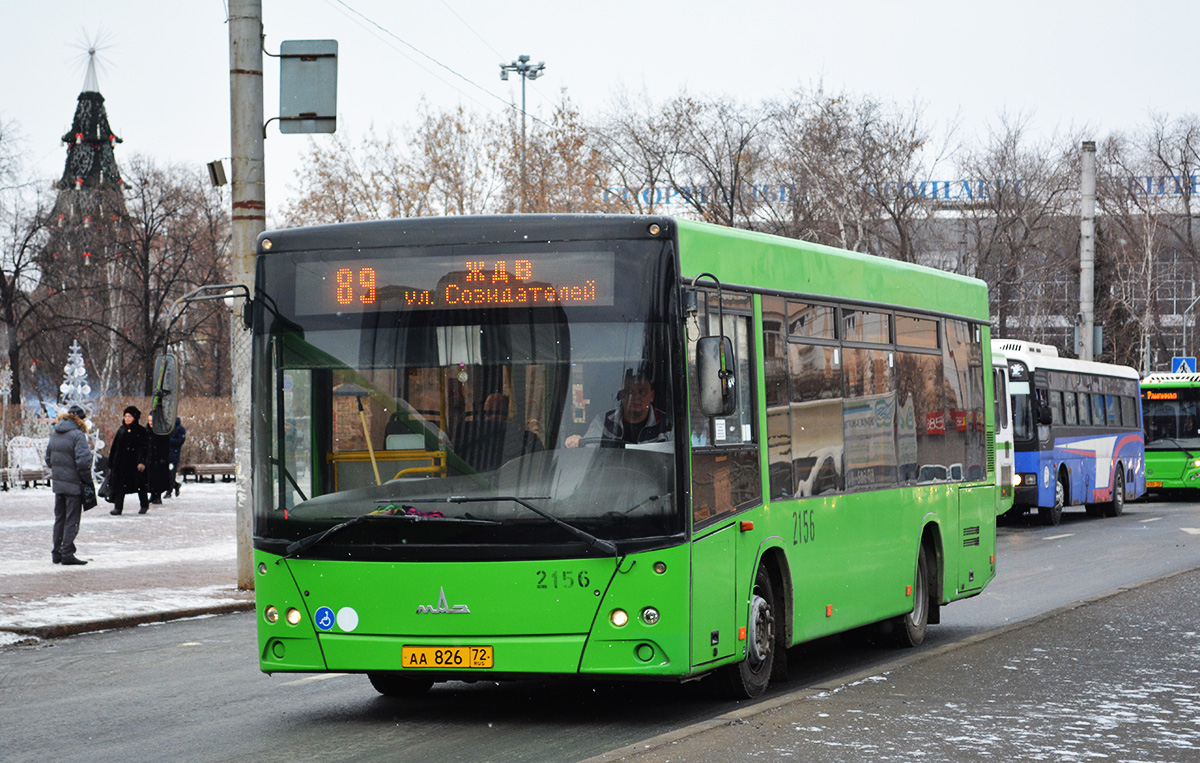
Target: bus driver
[635, 420]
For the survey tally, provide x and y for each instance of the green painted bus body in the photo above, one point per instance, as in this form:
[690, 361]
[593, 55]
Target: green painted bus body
[842, 561]
[1171, 416]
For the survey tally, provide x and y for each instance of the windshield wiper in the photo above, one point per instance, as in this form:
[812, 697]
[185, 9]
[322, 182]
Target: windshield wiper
[1178, 444]
[388, 511]
[315, 538]
[606, 546]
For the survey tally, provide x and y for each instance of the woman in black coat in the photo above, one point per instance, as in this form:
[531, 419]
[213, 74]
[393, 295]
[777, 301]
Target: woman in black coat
[159, 477]
[126, 462]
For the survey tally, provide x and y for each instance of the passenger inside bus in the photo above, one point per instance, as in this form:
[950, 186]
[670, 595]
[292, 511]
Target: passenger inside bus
[487, 443]
[635, 420]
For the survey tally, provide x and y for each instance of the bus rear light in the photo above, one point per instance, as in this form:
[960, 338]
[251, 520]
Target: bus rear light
[618, 617]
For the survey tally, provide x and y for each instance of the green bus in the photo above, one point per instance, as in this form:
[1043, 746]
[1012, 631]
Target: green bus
[607, 446]
[1171, 417]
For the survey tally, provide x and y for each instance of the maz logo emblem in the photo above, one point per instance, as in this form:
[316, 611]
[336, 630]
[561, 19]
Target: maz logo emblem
[442, 608]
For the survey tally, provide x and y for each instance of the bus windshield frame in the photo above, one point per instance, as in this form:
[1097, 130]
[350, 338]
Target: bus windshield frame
[393, 431]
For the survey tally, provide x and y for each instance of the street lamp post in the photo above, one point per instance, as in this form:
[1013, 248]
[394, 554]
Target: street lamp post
[527, 71]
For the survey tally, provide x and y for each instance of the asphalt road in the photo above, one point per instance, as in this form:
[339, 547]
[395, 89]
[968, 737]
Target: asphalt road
[1047, 655]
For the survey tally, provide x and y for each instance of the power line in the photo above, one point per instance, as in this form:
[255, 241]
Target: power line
[389, 33]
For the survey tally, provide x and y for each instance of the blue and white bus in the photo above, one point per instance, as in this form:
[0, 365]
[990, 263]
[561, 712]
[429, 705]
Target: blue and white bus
[1077, 427]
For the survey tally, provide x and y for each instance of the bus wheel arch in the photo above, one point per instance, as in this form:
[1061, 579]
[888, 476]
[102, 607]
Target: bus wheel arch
[749, 677]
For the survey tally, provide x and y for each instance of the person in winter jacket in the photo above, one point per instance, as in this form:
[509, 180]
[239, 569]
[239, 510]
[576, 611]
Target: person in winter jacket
[126, 462]
[177, 437]
[70, 462]
[159, 478]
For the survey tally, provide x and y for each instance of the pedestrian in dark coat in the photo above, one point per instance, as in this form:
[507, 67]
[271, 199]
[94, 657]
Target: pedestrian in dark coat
[70, 462]
[178, 436]
[126, 464]
[159, 478]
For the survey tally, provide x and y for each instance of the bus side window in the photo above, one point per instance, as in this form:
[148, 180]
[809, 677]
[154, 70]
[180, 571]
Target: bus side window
[1056, 406]
[1070, 409]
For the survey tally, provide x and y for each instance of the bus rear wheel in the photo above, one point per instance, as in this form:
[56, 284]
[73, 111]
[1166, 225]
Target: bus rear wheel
[750, 677]
[1117, 507]
[393, 685]
[910, 629]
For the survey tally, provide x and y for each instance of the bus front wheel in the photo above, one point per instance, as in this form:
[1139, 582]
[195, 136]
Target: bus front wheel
[1052, 515]
[750, 677]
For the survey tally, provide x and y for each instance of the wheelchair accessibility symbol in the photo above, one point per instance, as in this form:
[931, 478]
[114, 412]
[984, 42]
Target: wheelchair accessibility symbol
[324, 618]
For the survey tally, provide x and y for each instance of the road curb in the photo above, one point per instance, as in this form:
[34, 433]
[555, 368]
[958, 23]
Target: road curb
[91, 626]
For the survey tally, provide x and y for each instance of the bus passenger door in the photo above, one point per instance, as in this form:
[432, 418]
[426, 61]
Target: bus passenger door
[977, 523]
[714, 584]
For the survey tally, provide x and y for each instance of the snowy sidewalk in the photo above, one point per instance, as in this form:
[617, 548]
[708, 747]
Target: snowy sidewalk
[177, 560]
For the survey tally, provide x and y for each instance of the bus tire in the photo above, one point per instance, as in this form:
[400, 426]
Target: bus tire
[750, 677]
[1052, 515]
[1117, 507]
[909, 629]
[395, 685]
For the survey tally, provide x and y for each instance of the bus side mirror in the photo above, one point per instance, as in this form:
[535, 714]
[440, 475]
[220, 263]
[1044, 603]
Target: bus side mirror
[714, 367]
[164, 406]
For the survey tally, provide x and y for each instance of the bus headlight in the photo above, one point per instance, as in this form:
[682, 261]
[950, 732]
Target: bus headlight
[1194, 464]
[650, 615]
[1027, 479]
[271, 615]
[293, 616]
[618, 617]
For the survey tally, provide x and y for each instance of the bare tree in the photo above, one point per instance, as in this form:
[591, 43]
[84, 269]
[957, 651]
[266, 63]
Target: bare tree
[718, 158]
[1019, 226]
[635, 143]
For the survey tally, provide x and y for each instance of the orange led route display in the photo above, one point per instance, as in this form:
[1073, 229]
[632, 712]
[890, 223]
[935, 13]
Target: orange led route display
[456, 283]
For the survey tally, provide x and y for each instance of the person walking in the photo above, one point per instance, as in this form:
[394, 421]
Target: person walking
[157, 460]
[177, 437]
[70, 462]
[126, 466]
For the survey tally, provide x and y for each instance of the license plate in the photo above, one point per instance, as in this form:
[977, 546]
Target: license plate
[446, 657]
[1154, 484]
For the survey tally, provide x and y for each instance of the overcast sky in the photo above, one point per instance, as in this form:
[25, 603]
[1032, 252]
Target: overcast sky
[1104, 65]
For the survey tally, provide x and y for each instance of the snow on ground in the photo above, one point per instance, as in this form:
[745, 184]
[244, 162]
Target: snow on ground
[182, 555]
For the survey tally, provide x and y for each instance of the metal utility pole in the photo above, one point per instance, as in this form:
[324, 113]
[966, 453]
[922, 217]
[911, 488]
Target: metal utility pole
[527, 71]
[249, 219]
[1087, 253]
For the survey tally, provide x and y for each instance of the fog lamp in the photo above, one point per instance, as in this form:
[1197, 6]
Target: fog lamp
[650, 615]
[271, 614]
[618, 617]
[293, 616]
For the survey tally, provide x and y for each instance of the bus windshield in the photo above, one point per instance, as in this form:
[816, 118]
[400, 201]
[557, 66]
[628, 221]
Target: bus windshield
[1172, 419]
[455, 433]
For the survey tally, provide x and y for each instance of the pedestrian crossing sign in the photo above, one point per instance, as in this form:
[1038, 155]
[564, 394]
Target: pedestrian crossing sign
[1183, 365]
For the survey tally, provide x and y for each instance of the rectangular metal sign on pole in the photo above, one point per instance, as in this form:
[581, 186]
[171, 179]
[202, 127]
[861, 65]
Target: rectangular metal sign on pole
[1183, 365]
[308, 86]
